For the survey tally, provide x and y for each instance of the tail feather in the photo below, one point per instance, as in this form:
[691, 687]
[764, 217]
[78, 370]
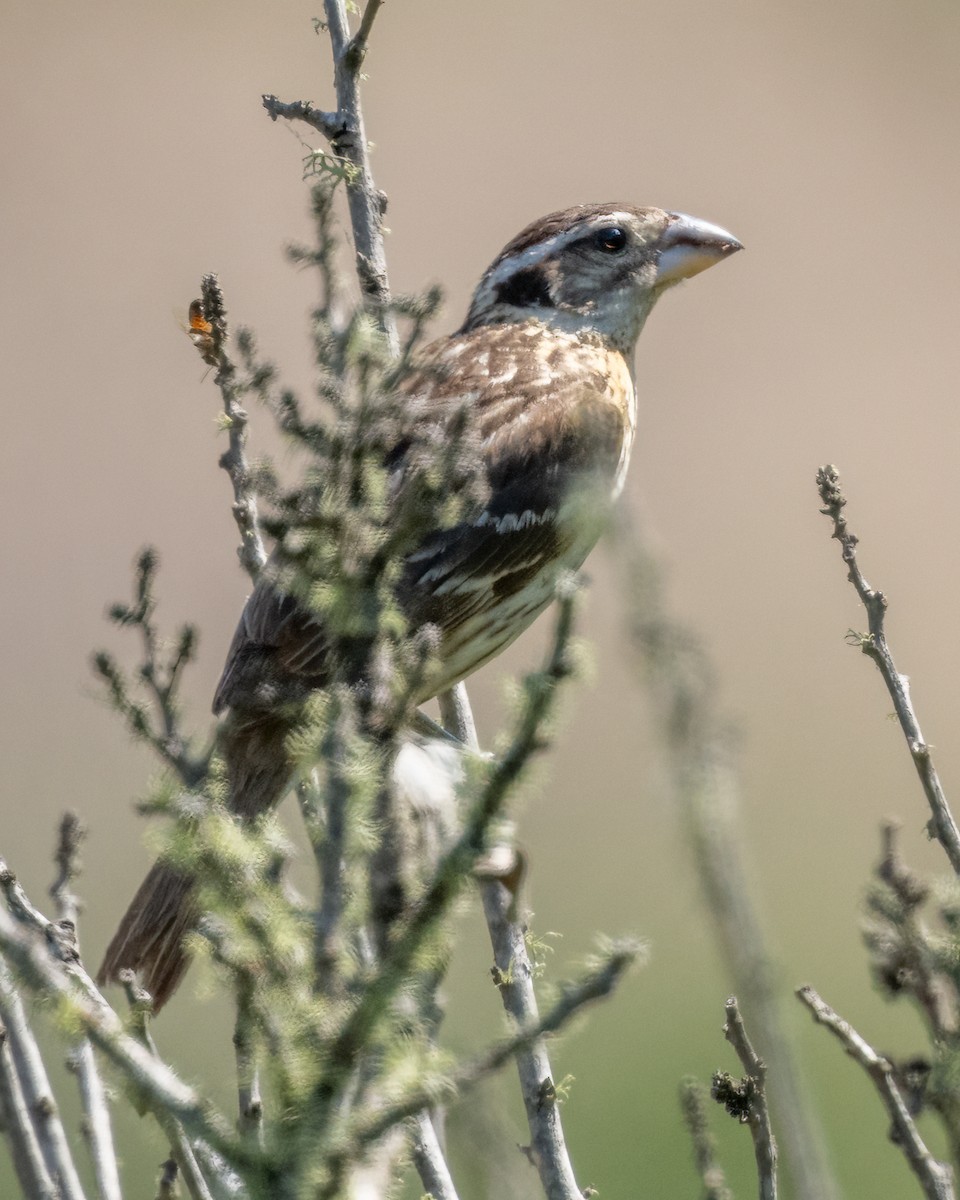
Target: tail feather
[164, 910]
[150, 938]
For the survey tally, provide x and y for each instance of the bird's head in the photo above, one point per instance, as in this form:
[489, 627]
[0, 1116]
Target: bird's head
[596, 268]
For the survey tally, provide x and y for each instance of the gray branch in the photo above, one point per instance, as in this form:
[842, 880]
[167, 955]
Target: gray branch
[548, 1148]
[757, 1114]
[428, 1158]
[37, 1093]
[81, 1060]
[515, 981]
[50, 971]
[28, 1161]
[155, 720]
[935, 1178]
[344, 130]
[249, 1099]
[251, 553]
[874, 645]
[302, 110]
[693, 1103]
[180, 1149]
[97, 1126]
[594, 985]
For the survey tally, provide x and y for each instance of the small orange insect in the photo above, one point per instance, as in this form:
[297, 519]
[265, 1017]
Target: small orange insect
[200, 332]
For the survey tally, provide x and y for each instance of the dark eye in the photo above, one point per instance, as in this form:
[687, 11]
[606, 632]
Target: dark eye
[612, 239]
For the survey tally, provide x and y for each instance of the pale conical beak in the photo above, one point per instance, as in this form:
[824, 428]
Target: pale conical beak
[689, 245]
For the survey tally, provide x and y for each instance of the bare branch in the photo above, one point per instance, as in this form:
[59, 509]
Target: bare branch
[251, 553]
[935, 1178]
[594, 985]
[427, 1155]
[250, 1102]
[693, 1103]
[753, 1099]
[97, 1126]
[514, 978]
[874, 645]
[67, 858]
[345, 132]
[302, 110]
[81, 1060]
[50, 971]
[155, 719]
[180, 1149]
[456, 716]
[357, 47]
[515, 981]
[37, 1093]
[28, 1161]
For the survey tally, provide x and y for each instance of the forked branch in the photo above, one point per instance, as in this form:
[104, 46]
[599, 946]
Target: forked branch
[935, 1178]
[874, 645]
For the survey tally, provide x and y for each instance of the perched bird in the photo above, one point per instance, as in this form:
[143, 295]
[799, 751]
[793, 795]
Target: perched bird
[545, 360]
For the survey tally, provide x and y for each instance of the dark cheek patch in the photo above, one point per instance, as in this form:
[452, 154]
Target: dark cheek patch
[526, 288]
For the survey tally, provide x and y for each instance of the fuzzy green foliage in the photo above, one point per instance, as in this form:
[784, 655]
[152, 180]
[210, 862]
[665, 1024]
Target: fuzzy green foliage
[336, 994]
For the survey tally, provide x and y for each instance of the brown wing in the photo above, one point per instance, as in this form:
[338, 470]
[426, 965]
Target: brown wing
[549, 417]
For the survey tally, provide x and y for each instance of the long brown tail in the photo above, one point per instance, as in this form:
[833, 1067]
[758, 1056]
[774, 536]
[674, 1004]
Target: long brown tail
[161, 914]
[150, 938]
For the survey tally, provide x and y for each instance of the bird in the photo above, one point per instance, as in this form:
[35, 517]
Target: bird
[545, 363]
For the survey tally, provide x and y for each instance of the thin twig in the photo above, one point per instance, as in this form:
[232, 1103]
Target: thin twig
[81, 1059]
[26, 1061]
[69, 983]
[874, 645]
[325, 817]
[514, 978]
[302, 110]
[357, 47]
[754, 1112]
[596, 984]
[97, 1126]
[428, 1158]
[515, 981]
[456, 716]
[935, 1178]
[251, 552]
[37, 1092]
[35, 1180]
[180, 1148]
[67, 857]
[156, 720]
[693, 1104]
[249, 1100]
[345, 132]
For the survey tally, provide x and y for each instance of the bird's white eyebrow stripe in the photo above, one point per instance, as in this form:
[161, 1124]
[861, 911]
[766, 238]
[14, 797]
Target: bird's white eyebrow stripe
[541, 250]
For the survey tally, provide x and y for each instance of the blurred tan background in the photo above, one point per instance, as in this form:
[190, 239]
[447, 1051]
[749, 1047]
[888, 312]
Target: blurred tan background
[136, 156]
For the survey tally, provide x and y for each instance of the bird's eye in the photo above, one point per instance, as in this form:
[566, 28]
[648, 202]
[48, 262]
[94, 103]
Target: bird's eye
[612, 239]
